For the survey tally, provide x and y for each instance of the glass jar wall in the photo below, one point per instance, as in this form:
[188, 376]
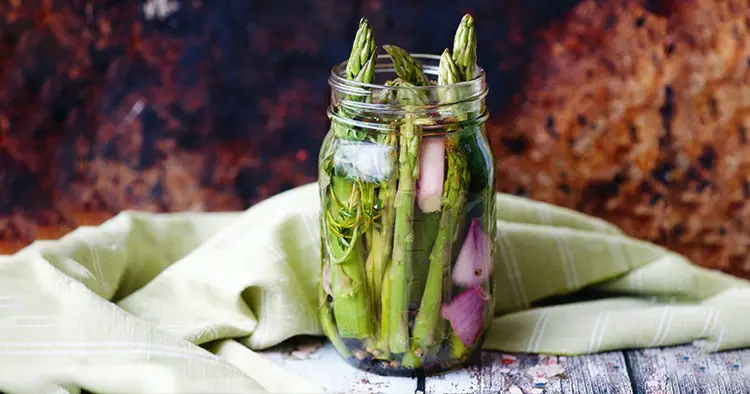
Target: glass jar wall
[406, 181]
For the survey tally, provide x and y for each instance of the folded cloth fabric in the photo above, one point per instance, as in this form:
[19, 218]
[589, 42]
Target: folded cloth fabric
[176, 302]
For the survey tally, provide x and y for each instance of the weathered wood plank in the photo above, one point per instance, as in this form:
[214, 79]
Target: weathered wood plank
[325, 367]
[687, 369]
[599, 373]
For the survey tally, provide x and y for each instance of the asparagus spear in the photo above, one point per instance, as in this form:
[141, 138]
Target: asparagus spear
[407, 68]
[403, 240]
[360, 68]
[351, 305]
[329, 328]
[465, 57]
[363, 51]
[427, 328]
[409, 71]
[349, 206]
[384, 243]
[465, 48]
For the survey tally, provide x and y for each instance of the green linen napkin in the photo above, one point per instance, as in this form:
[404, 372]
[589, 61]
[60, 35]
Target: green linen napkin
[176, 302]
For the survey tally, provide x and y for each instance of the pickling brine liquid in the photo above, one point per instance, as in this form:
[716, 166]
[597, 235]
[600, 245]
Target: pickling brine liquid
[406, 278]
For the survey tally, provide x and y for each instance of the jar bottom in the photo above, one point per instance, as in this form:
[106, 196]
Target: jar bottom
[388, 368]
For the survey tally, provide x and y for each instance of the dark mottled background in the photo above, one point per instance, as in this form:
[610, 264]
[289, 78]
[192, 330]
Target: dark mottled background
[186, 104]
[168, 105]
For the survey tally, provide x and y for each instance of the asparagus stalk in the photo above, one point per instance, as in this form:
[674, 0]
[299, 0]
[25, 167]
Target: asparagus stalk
[465, 58]
[381, 252]
[351, 305]
[427, 328]
[427, 332]
[328, 326]
[350, 205]
[382, 349]
[458, 350]
[384, 242]
[403, 240]
[409, 71]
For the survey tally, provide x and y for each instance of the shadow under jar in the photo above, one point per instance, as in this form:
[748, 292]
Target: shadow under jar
[406, 180]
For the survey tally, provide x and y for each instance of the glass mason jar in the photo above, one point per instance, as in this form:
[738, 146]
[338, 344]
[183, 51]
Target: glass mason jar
[406, 180]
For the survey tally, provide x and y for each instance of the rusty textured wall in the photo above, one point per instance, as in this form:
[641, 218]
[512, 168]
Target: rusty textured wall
[632, 110]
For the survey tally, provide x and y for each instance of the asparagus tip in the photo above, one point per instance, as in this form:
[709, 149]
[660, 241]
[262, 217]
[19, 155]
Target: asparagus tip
[363, 49]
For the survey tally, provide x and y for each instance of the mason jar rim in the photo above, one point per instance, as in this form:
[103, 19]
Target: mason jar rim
[338, 81]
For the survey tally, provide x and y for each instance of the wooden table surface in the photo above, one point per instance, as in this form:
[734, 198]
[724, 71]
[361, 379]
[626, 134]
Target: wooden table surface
[681, 369]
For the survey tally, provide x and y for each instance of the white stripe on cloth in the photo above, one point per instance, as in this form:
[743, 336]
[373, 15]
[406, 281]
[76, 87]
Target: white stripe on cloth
[719, 339]
[569, 284]
[514, 274]
[618, 254]
[568, 265]
[571, 263]
[96, 262]
[602, 330]
[716, 321]
[540, 321]
[668, 326]
[659, 329]
[595, 331]
[540, 335]
[709, 319]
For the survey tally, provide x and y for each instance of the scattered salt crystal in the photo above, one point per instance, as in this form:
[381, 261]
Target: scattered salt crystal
[553, 370]
[562, 358]
[537, 391]
[535, 371]
[515, 390]
[545, 371]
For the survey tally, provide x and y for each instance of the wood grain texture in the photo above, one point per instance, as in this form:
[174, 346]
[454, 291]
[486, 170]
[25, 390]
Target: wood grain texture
[675, 370]
[686, 369]
[599, 373]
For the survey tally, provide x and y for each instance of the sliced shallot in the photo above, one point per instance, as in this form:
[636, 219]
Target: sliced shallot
[466, 315]
[431, 168]
[473, 264]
